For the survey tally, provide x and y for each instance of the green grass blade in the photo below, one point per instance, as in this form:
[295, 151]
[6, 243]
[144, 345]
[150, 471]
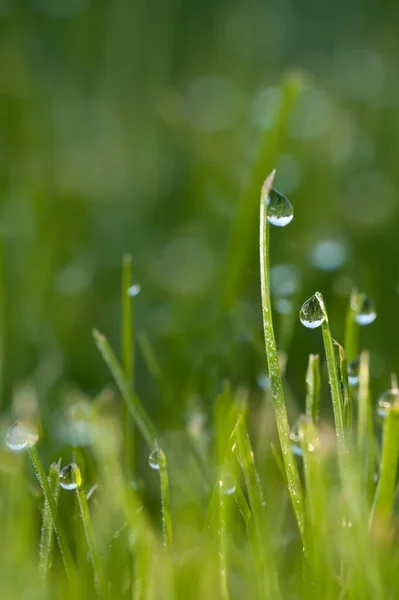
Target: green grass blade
[47, 538]
[127, 353]
[165, 500]
[351, 338]
[263, 554]
[346, 392]
[91, 541]
[58, 529]
[384, 495]
[133, 403]
[335, 385]
[313, 387]
[222, 534]
[294, 483]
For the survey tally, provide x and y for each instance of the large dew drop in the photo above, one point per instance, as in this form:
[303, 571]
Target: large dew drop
[157, 459]
[279, 209]
[312, 314]
[70, 477]
[365, 310]
[387, 401]
[353, 372]
[19, 437]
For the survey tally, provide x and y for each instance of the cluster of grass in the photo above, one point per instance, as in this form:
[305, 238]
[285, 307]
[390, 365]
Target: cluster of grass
[236, 516]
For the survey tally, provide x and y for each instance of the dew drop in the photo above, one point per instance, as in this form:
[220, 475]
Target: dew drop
[134, 290]
[387, 401]
[157, 459]
[228, 485]
[365, 310]
[312, 314]
[20, 436]
[279, 209]
[353, 372]
[70, 477]
[295, 438]
[263, 381]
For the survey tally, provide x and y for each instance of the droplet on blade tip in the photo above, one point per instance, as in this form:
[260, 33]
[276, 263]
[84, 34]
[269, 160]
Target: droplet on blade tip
[312, 313]
[365, 312]
[279, 209]
[70, 477]
[20, 436]
[157, 459]
[387, 401]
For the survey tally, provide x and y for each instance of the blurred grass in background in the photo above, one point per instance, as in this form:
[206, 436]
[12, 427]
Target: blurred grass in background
[147, 128]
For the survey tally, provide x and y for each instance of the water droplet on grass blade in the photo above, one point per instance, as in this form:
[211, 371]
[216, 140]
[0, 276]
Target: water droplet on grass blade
[365, 310]
[295, 438]
[312, 313]
[70, 477]
[387, 401]
[157, 459]
[353, 372]
[279, 209]
[20, 436]
[263, 381]
[134, 290]
[228, 485]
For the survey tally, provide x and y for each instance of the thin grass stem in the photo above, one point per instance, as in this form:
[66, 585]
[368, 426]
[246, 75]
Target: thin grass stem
[294, 483]
[58, 529]
[47, 538]
[384, 495]
[264, 557]
[313, 387]
[133, 403]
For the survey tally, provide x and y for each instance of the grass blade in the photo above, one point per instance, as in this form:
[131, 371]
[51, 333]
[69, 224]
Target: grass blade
[384, 495]
[351, 339]
[133, 403]
[46, 539]
[160, 464]
[90, 539]
[263, 554]
[58, 529]
[127, 353]
[335, 385]
[294, 483]
[313, 387]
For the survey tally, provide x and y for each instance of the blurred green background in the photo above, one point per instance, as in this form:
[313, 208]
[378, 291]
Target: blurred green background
[148, 127]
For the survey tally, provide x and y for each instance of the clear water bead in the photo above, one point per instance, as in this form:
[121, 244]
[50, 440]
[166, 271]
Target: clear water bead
[227, 484]
[279, 209]
[134, 290]
[365, 310]
[353, 372]
[387, 401]
[304, 434]
[312, 314]
[20, 436]
[295, 437]
[70, 477]
[157, 459]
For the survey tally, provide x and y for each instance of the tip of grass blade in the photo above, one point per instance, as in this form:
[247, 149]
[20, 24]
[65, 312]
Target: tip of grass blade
[267, 185]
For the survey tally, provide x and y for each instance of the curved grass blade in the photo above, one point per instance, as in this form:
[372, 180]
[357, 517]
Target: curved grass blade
[133, 403]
